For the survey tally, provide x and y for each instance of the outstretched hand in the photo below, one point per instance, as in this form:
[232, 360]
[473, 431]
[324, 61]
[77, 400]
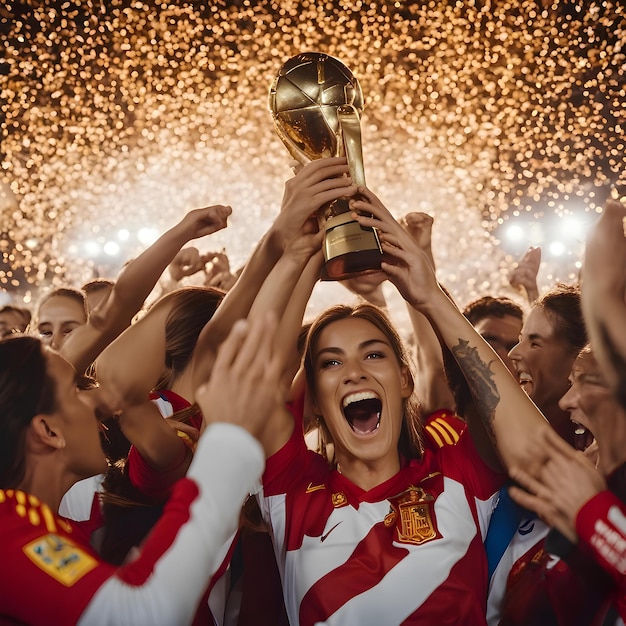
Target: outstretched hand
[245, 384]
[524, 274]
[605, 250]
[404, 261]
[420, 226]
[186, 263]
[314, 185]
[206, 221]
[566, 481]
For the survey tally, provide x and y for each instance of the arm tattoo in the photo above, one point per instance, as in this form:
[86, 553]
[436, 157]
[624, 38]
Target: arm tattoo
[480, 380]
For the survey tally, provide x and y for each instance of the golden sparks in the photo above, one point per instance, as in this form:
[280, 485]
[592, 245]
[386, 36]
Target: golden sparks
[122, 114]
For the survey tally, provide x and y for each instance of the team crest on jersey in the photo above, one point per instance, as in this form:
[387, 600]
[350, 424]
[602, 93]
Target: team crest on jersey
[60, 558]
[413, 514]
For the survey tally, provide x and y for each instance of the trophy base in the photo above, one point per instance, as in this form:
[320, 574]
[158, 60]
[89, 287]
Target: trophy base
[351, 265]
[349, 249]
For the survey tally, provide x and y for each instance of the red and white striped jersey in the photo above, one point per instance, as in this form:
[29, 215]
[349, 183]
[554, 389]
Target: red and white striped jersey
[408, 551]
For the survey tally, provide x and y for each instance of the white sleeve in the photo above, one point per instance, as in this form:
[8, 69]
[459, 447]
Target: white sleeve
[226, 464]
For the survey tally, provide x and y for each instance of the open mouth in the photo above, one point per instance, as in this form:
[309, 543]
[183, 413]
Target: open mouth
[525, 381]
[583, 437]
[362, 411]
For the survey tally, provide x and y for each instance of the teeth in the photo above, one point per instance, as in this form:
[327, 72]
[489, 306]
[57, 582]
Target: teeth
[358, 396]
[524, 378]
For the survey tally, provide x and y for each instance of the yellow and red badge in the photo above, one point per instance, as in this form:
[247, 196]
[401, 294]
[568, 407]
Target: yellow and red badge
[413, 514]
[60, 558]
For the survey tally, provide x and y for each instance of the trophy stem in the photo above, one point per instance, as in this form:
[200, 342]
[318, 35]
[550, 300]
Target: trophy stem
[349, 249]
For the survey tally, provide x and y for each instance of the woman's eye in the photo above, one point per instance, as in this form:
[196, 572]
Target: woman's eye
[329, 363]
[375, 355]
[45, 333]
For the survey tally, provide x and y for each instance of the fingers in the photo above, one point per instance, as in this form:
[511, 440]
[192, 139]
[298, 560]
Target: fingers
[542, 507]
[324, 168]
[371, 197]
[527, 481]
[416, 219]
[295, 166]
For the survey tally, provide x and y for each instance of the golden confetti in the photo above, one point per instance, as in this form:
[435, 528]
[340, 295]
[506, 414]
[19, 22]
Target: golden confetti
[119, 115]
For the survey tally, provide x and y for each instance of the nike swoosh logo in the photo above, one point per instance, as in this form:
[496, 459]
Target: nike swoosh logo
[311, 488]
[526, 528]
[325, 535]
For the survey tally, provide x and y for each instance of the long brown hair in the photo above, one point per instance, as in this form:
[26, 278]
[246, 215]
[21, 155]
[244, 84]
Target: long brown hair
[193, 308]
[410, 442]
[26, 390]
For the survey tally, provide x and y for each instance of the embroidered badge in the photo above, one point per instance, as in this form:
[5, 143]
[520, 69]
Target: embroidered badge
[414, 515]
[339, 499]
[60, 558]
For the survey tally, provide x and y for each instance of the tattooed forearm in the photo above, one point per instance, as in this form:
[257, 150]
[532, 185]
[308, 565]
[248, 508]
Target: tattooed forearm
[481, 382]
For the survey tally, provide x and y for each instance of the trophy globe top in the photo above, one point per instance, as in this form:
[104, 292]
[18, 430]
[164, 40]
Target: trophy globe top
[304, 100]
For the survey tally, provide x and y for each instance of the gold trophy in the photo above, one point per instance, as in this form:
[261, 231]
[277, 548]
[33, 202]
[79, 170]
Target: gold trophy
[316, 103]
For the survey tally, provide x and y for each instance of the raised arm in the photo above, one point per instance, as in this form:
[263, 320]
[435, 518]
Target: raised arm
[128, 369]
[285, 294]
[312, 187]
[135, 283]
[166, 582]
[431, 384]
[523, 276]
[510, 417]
[603, 294]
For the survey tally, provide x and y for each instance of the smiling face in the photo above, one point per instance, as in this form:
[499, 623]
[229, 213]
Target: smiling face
[359, 390]
[542, 360]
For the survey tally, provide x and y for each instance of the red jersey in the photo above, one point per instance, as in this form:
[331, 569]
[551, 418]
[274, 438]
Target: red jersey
[601, 528]
[408, 551]
[48, 572]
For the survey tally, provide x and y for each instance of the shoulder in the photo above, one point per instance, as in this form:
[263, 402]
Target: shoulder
[443, 428]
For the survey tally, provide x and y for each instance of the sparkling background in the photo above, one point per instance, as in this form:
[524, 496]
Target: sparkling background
[125, 114]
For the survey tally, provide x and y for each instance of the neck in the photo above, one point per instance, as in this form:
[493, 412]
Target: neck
[183, 386]
[44, 481]
[368, 474]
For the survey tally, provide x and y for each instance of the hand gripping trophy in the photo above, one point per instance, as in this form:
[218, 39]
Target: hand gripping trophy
[315, 102]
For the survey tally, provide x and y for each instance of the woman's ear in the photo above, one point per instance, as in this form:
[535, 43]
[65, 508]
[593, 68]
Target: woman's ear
[406, 382]
[46, 432]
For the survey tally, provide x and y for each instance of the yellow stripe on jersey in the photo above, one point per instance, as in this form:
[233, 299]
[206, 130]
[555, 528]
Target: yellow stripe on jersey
[433, 433]
[445, 427]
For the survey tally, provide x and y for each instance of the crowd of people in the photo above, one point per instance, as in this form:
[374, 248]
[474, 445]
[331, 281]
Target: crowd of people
[217, 458]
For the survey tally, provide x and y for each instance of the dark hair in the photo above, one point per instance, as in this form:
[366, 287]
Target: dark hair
[26, 390]
[562, 304]
[194, 307]
[97, 284]
[21, 311]
[65, 292]
[488, 306]
[410, 443]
